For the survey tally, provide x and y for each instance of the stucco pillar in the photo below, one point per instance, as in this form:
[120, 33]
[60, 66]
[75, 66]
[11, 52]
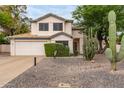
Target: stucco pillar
[12, 47]
[71, 46]
[81, 45]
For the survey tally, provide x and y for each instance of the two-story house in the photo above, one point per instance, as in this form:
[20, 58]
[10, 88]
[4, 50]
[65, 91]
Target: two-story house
[49, 28]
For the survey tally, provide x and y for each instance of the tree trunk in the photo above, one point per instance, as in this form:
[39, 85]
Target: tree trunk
[113, 66]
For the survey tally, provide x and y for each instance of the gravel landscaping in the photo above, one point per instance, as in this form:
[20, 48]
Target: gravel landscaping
[70, 72]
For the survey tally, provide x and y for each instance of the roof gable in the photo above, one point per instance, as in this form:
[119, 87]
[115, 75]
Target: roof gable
[61, 33]
[53, 15]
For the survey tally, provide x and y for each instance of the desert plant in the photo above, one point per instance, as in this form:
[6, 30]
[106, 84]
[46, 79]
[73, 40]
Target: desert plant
[110, 52]
[89, 45]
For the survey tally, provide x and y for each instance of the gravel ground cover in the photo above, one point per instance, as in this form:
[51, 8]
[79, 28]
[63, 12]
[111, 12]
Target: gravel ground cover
[70, 72]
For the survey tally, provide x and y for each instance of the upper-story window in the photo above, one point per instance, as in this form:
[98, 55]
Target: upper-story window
[43, 27]
[57, 26]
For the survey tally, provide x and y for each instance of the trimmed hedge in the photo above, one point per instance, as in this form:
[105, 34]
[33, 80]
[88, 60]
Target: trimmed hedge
[50, 48]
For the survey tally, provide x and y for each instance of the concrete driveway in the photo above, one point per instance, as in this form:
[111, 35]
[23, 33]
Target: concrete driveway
[11, 67]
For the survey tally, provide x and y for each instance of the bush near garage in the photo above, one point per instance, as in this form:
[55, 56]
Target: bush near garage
[50, 48]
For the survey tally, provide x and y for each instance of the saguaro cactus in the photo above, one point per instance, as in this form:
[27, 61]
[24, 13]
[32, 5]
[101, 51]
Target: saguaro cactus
[110, 52]
[89, 46]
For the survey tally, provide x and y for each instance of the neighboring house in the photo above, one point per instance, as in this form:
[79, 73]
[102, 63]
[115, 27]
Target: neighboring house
[49, 28]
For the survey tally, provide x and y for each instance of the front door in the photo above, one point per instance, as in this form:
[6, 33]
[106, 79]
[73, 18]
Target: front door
[76, 46]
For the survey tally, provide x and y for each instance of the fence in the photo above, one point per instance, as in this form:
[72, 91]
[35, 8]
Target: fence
[5, 48]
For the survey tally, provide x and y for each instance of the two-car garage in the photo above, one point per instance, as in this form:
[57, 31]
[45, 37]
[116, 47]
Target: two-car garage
[27, 47]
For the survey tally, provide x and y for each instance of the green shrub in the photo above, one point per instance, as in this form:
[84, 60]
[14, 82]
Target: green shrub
[3, 39]
[50, 48]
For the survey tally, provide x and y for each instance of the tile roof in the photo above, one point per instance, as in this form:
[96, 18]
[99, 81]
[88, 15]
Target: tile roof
[29, 35]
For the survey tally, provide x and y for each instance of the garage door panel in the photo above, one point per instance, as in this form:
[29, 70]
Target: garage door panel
[30, 48]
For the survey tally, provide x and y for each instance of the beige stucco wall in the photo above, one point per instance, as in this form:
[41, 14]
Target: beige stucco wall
[5, 48]
[68, 28]
[35, 27]
[77, 34]
[64, 38]
[81, 45]
[12, 47]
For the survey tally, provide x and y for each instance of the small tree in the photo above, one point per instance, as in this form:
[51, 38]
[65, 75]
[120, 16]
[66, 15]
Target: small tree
[96, 16]
[13, 19]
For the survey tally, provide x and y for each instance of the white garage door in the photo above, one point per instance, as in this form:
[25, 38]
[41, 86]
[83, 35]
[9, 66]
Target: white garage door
[29, 48]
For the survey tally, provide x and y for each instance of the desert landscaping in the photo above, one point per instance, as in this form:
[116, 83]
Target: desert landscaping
[70, 72]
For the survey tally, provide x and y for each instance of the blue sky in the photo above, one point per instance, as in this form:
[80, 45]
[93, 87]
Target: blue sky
[35, 11]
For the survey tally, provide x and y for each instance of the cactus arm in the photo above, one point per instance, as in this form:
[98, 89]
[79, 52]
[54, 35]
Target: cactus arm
[112, 34]
[120, 55]
[108, 54]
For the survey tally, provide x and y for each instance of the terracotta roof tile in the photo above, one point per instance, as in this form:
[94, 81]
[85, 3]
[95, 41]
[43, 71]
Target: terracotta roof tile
[29, 35]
